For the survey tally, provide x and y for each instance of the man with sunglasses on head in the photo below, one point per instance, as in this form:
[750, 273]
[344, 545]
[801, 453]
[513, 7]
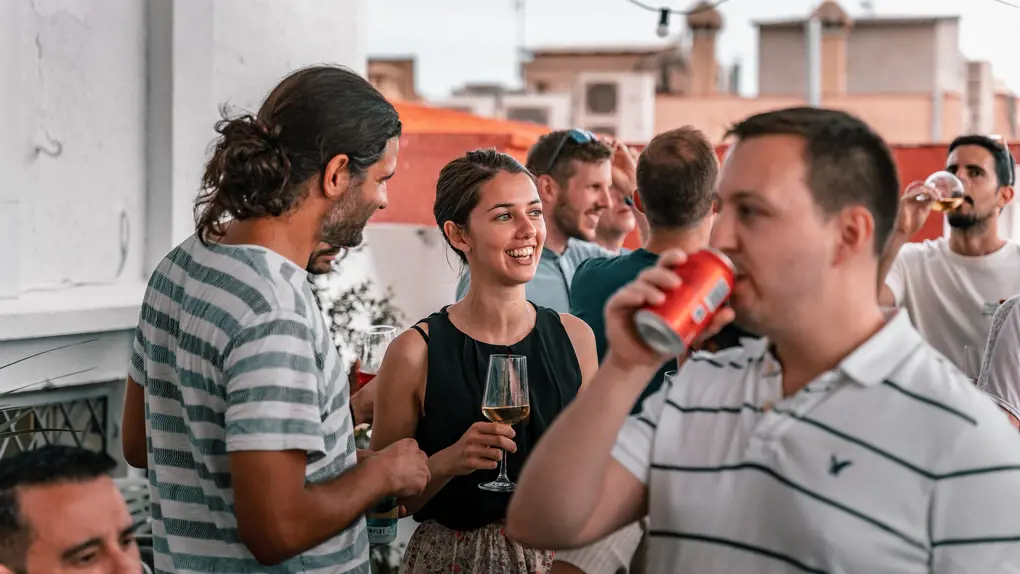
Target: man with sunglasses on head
[575, 174]
[952, 286]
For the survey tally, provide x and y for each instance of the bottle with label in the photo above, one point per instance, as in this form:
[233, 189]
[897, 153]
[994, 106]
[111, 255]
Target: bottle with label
[382, 522]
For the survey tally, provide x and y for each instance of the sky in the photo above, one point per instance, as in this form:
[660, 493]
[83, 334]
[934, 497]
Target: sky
[459, 41]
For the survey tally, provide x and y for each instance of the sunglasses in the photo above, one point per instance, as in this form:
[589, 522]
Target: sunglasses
[574, 135]
[1001, 140]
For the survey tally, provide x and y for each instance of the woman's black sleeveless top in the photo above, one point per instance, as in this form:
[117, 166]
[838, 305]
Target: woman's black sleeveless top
[453, 402]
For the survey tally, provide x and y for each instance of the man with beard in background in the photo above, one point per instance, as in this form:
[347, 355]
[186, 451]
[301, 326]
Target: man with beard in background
[236, 401]
[320, 262]
[952, 286]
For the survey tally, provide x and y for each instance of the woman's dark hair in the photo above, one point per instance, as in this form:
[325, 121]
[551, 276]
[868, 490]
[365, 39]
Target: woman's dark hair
[461, 180]
[313, 115]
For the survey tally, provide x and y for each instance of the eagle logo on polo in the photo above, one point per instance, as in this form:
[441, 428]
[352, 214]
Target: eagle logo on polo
[837, 466]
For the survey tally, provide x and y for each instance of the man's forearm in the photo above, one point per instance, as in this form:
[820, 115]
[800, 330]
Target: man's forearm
[892, 250]
[574, 455]
[318, 513]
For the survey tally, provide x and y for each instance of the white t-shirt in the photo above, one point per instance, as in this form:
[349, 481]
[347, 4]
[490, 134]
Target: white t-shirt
[1000, 370]
[951, 298]
[891, 462]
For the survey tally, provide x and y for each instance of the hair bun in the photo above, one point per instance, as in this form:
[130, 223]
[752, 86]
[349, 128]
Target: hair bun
[249, 168]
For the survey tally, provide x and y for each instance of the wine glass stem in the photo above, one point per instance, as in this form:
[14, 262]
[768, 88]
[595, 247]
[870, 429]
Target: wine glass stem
[502, 469]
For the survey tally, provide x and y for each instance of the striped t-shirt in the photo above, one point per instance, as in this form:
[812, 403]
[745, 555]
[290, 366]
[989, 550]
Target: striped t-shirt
[234, 355]
[892, 462]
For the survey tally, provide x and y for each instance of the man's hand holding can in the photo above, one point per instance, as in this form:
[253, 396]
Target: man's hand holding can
[655, 290]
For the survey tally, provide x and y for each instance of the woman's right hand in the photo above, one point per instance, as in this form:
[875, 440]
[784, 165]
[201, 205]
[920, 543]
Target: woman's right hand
[478, 449]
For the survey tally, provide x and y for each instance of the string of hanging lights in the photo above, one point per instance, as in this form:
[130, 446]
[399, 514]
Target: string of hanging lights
[662, 30]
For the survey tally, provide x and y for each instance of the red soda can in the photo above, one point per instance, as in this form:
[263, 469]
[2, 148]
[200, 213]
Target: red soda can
[671, 327]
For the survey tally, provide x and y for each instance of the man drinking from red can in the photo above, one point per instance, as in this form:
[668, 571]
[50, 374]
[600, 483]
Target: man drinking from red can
[840, 442]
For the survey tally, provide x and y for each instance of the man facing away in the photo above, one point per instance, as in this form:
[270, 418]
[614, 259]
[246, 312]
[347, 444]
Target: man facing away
[60, 512]
[676, 181]
[841, 442]
[677, 174]
[952, 286]
[574, 177]
[236, 402]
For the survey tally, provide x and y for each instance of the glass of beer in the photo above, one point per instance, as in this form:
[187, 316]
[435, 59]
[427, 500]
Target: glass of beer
[505, 402]
[942, 188]
[373, 347]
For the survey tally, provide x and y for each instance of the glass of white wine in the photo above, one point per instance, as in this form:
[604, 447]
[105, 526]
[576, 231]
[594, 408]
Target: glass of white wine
[505, 402]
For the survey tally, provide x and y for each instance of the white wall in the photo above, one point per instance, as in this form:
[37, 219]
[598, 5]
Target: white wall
[257, 42]
[129, 90]
[87, 96]
[416, 262]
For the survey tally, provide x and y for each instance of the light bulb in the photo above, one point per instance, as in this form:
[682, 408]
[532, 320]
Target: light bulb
[663, 28]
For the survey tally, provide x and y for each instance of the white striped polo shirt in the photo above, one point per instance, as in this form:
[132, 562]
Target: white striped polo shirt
[234, 355]
[893, 462]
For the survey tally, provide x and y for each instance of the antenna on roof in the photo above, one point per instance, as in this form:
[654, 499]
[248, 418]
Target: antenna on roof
[522, 22]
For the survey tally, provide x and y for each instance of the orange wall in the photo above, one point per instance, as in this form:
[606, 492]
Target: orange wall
[412, 190]
[422, 156]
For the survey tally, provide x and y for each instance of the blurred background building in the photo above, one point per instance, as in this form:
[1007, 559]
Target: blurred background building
[928, 92]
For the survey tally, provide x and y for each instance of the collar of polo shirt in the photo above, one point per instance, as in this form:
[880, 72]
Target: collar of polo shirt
[880, 355]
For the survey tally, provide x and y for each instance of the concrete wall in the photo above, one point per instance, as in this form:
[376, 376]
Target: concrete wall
[85, 99]
[782, 56]
[107, 110]
[257, 42]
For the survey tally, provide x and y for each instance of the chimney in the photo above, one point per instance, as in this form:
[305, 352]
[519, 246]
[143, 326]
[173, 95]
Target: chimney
[704, 21]
[836, 25]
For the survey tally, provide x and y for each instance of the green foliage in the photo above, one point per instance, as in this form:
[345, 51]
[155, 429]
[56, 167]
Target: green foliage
[349, 310]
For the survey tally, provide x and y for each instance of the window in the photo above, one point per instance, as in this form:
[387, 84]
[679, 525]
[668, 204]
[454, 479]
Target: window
[528, 114]
[601, 98]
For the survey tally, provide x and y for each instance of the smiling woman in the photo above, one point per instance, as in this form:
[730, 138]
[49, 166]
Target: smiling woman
[488, 208]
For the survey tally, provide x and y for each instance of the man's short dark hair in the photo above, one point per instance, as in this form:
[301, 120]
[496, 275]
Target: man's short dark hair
[1005, 163]
[676, 178]
[541, 154]
[847, 162]
[43, 466]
